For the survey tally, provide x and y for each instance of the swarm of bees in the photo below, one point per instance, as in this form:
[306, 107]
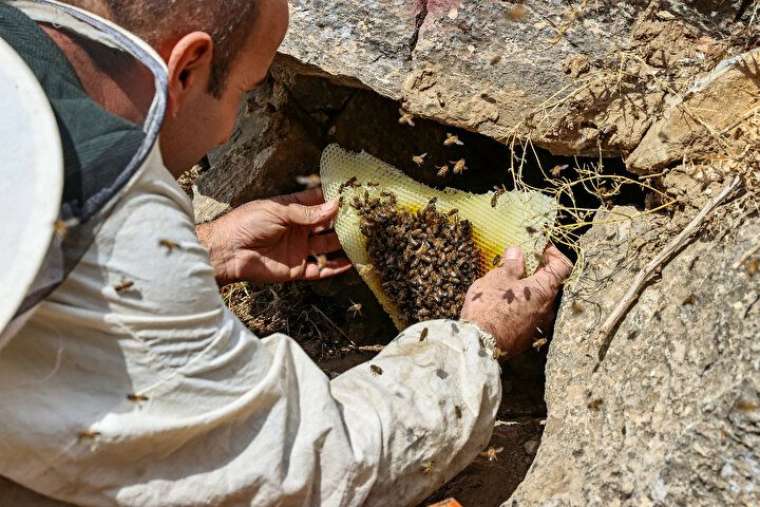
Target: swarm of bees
[426, 260]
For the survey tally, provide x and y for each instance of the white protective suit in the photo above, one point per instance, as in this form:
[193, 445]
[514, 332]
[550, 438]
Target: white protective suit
[158, 396]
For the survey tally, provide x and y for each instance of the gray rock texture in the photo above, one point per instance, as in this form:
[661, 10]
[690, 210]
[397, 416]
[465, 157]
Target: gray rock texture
[671, 416]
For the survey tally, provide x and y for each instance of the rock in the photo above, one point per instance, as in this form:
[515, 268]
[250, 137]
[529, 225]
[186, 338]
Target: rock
[671, 416]
[717, 111]
[499, 68]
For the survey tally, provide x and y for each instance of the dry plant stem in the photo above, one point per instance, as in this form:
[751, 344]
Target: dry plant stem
[607, 331]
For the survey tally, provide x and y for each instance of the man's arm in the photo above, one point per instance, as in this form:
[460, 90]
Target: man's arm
[134, 385]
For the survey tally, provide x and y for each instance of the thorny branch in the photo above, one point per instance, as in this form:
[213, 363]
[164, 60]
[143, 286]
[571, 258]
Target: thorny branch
[607, 330]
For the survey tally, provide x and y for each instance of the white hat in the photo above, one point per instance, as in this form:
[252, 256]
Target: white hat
[31, 180]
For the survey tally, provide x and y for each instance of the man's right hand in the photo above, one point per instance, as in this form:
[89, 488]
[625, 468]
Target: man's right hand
[513, 308]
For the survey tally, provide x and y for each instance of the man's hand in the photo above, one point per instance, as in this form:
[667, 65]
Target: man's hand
[280, 239]
[513, 308]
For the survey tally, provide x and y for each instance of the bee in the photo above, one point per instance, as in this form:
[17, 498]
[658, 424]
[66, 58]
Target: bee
[540, 343]
[137, 398]
[454, 328]
[60, 228]
[689, 300]
[168, 244]
[492, 453]
[451, 140]
[340, 202]
[557, 170]
[498, 353]
[347, 184]
[443, 171]
[453, 212]
[355, 309]
[321, 262]
[458, 411]
[310, 181]
[432, 202]
[405, 118]
[746, 406]
[427, 467]
[376, 370]
[496, 260]
[124, 286]
[595, 404]
[460, 166]
[496, 195]
[423, 334]
[531, 230]
[419, 159]
[88, 435]
[495, 59]
[577, 308]
[373, 184]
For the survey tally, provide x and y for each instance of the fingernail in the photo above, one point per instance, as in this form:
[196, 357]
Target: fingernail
[513, 253]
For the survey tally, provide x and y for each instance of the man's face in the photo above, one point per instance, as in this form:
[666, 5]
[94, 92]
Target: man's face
[200, 121]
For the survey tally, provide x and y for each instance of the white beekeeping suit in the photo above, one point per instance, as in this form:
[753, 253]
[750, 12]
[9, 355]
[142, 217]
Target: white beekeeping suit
[131, 384]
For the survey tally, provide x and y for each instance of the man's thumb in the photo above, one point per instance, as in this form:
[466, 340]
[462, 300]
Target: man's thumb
[312, 215]
[513, 263]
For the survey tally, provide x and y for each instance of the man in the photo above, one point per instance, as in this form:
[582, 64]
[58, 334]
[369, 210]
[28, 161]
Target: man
[125, 381]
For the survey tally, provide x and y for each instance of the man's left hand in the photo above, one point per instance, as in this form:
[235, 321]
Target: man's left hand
[280, 239]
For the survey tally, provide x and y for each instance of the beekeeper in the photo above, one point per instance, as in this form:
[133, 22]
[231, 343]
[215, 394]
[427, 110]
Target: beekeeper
[124, 380]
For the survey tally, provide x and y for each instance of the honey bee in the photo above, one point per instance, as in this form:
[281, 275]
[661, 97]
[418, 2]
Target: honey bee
[347, 184]
[168, 244]
[423, 334]
[496, 260]
[376, 370]
[137, 398]
[458, 411]
[340, 202]
[540, 343]
[452, 139]
[88, 435]
[60, 228]
[124, 286]
[453, 212]
[752, 266]
[531, 230]
[595, 404]
[427, 467]
[405, 118]
[496, 195]
[557, 170]
[443, 171]
[492, 453]
[373, 184]
[355, 309]
[321, 262]
[460, 166]
[577, 308]
[432, 202]
[495, 59]
[419, 159]
[746, 406]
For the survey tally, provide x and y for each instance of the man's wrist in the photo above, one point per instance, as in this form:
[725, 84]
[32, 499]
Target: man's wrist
[217, 257]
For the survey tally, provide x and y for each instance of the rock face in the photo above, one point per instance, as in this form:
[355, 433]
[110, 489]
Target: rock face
[574, 77]
[671, 416]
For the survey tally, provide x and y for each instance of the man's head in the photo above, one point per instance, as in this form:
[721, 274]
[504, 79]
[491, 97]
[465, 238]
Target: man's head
[216, 51]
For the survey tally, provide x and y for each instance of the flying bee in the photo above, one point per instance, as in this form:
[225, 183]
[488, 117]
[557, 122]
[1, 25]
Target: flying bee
[124, 286]
[419, 159]
[496, 195]
[88, 435]
[60, 228]
[443, 171]
[557, 170]
[423, 334]
[491, 453]
[376, 370]
[405, 118]
[168, 244]
[460, 166]
[355, 309]
[137, 398]
[452, 139]
[496, 260]
[540, 343]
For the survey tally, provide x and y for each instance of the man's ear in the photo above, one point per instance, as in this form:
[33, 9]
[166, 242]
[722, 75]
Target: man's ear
[189, 66]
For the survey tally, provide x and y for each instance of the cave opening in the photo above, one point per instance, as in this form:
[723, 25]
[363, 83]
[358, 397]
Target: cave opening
[339, 322]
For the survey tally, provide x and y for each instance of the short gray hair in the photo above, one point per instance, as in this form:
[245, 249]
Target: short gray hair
[228, 22]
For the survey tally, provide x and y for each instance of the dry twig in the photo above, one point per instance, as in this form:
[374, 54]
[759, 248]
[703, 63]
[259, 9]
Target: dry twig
[607, 331]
